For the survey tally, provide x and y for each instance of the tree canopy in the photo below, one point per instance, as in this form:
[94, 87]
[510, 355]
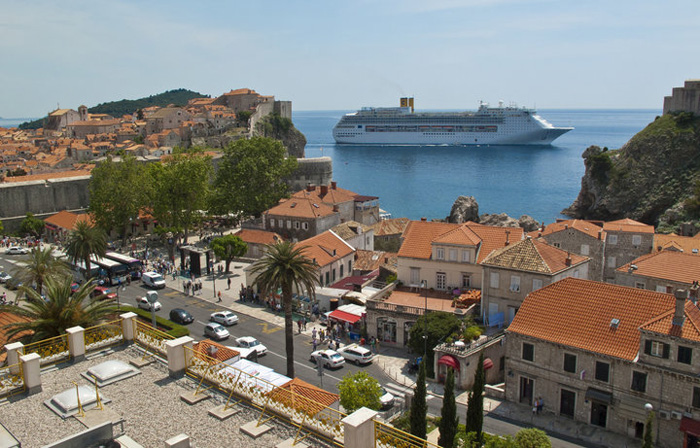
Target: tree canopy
[228, 247]
[251, 176]
[40, 266]
[419, 407]
[31, 225]
[84, 241]
[449, 420]
[359, 390]
[440, 325]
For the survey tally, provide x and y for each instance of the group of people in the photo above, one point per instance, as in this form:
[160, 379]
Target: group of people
[192, 286]
[246, 294]
[539, 405]
[29, 242]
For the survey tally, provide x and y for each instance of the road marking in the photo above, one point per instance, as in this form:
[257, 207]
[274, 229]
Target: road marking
[171, 294]
[266, 328]
[305, 366]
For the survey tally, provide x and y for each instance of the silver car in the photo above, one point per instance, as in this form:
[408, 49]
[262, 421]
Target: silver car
[328, 358]
[224, 318]
[216, 331]
[144, 304]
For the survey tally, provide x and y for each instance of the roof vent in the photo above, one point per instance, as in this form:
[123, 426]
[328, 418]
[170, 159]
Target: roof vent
[695, 251]
[316, 205]
[294, 204]
[614, 323]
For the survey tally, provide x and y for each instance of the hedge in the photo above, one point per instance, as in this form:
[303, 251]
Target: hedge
[171, 327]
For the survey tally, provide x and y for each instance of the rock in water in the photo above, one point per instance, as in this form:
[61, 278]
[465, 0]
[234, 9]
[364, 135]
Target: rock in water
[464, 209]
[528, 223]
[498, 220]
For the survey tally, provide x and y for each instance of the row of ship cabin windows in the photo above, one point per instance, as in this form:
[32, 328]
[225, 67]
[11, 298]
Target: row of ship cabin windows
[657, 349]
[297, 225]
[440, 255]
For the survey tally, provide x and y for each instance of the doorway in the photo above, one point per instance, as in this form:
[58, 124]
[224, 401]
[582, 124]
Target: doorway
[599, 414]
[527, 385]
[567, 404]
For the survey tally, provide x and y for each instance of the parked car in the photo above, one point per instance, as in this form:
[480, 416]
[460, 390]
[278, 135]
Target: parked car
[387, 400]
[216, 331]
[144, 304]
[103, 292]
[250, 342]
[153, 279]
[356, 354]
[4, 277]
[224, 318]
[180, 316]
[16, 250]
[13, 283]
[328, 358]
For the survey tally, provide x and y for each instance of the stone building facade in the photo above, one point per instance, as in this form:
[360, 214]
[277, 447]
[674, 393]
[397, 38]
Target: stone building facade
[580, 237]
[663, 271]
[625, 240]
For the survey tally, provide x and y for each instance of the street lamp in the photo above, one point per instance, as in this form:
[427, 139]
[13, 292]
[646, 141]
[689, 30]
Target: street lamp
[424, 285]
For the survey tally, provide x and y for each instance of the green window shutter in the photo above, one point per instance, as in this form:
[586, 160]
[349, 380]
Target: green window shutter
[667, 349]
[647, 347]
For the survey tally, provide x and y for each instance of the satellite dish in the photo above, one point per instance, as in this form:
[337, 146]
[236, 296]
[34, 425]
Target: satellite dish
[152, 296]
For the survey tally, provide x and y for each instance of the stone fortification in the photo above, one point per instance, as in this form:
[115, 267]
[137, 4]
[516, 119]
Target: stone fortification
[684, 99]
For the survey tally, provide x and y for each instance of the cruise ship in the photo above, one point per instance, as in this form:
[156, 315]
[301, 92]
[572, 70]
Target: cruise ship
[502, 125]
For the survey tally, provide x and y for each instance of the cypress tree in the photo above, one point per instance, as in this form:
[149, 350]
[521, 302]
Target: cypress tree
[419, 409]
[648, 440]
[449, 420]
[475, 402]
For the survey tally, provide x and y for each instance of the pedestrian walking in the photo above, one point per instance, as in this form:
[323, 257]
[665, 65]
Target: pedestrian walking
[299, 325]
[313, 333]
[315, 344]
[228, 281]
[219, 295]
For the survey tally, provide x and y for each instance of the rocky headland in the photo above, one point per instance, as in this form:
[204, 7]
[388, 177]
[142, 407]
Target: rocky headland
[465, 208]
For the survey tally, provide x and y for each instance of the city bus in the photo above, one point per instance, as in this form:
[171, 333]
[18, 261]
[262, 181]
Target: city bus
[113, 271]
[80, 273]
[135, 265]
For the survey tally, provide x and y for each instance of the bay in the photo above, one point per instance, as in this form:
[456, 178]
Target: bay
[416, 181]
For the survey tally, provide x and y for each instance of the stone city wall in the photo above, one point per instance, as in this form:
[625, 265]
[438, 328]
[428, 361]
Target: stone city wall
[684, 99]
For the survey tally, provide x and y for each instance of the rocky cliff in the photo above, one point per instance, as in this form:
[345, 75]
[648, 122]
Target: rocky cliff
[465, 208]
[649, 179]
[283, 129]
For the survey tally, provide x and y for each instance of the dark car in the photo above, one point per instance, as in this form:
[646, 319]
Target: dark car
[180, 316]
[13, 283]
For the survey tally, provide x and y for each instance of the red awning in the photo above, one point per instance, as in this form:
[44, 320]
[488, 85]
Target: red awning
[449, 360]
[345, 317]
[690, 426]
[488, 363]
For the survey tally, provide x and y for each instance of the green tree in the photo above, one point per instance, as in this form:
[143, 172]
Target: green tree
[532, 438]
[475, 401]
[86, 240]
[449, 421]
[181, 189]
[60, 310]
[40, 266]
[228, 247]
[285, 267]
[440, 325]
[648, 439]
[2, 228]
[118, 192]
[31, 225]
[358, 390]
[250, 178]
[419, 408]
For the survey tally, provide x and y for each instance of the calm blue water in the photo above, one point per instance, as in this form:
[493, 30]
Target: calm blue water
[420, 182]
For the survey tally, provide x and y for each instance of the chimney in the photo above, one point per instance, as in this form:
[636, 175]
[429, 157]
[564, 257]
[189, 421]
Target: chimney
[566, 227]
[324, 190]
[334, 185]
[507, 237]
[679, 314]
[386, 260]
[694, 292]
[568, 259]
[424, 219]
[539, 234]
[310, 187]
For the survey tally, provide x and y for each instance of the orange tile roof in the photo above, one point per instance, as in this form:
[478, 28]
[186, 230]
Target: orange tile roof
[301, 208]
[462, 235]
[493, 237]
[419, 235]
[367, 260]
[663, 324]
[303, 396]
[627, 225]
[583, 226]
[685, 243]
[334, 196]
[390, 226]
[67, 220]
[533, 255]
[255, 236]
[6, 319]
[221, 353]
[577, 313]
[48, 176]
[322, 246]
[243, 91]
[418, 300]
[667, 265]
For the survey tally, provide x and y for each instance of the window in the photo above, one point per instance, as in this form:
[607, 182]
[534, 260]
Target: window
[466, 280]
[415, 276]
[305, 225]
[514, 283]
[320, 279]
[466, 256]
[494, 280]
[602, 371]
[636, 240]
[333, 276]
[696, 397]
[612, 239]
[685, 354]
[349, 265]
[660, 288]
[440, 253]
[557, 245]
[585, 249]
[328, 280]
[569, 363]
[341, 271]
[441, 280]
[296, 224]
[536, 284]
[611, 262]
[289, 224]
[656, 348]
[528, 352]
[639, 285]
[272, 222]
[453, 254]
[639, 381]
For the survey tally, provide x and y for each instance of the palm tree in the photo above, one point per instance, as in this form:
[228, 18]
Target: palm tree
[86, 240]
[285, 267]
[62, 309]
[40, 266]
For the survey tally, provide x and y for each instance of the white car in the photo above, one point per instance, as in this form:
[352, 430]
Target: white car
[4, 277]
[224, 318]
[251, 343]
[356, 354]
[387, 400]
[144, 304]
[16, 250]
[216, 331]
[153, 279]
[328, 358]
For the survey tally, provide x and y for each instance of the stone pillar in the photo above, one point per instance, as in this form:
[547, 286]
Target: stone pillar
[179, 441]
[31, 370]
[14, 351]
[359, 428]
[177, 361]
[76, 343]
[128, 326]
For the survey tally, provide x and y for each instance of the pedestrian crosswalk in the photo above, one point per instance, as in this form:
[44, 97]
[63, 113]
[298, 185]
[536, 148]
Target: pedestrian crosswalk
[398, 391]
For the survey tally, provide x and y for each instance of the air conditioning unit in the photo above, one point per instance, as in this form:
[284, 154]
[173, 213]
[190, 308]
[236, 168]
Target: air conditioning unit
[665, 414]
[677, 415]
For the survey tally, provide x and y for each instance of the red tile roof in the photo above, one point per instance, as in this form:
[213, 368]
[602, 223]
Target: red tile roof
[48, 176]
[255, 236]
[667, 265]
[578, 313]
[325, 248]
[586, 227]
[332, 196]
[214, 350]
[685, 243]
[535, 256]
[67, 220]
[301, 208]
[419, 235]
[627, 225]
[6, 319]
[663, 324]
[303, 396]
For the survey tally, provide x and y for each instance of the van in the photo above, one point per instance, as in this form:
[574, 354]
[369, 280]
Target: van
[153, 279]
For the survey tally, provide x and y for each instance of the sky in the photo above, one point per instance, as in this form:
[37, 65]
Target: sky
[343, 55]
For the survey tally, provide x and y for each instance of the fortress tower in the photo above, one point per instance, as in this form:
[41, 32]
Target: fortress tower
[684, 99]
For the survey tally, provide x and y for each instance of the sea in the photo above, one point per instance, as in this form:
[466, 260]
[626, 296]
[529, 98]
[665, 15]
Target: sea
[424, 181]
